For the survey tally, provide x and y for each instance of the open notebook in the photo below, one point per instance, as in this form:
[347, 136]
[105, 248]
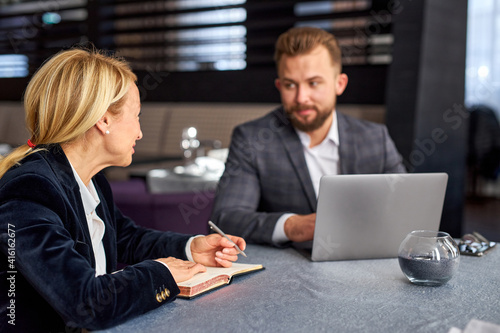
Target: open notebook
[213, 278]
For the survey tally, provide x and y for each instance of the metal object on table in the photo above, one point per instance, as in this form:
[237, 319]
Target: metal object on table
[201, 175]
[475, 244]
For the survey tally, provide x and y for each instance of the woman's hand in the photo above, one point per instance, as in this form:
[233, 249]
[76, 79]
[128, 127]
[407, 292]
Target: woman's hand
[182, 270]
[215, 250]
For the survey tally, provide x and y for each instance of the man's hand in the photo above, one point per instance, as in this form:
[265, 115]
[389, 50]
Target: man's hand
[215, 250]
[182, 270]
[300, 228]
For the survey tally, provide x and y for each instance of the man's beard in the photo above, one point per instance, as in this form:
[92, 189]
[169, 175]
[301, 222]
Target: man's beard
[320, 119]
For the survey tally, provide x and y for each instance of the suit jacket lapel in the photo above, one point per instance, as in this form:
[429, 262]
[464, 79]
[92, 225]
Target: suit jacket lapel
[347, 146]
[109, 237]
[293, 145]
[62, 168]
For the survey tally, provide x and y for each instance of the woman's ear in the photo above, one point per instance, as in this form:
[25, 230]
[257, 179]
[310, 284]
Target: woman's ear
[103, 124]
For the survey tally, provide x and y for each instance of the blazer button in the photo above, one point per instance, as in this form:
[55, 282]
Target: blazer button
[158, 298]
[163, 295]
[167, 292]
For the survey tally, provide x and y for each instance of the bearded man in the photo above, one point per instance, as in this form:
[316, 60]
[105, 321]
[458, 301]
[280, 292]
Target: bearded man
[268, 192]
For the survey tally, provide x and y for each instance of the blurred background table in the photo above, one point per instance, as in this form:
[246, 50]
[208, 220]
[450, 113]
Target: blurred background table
[186, 211]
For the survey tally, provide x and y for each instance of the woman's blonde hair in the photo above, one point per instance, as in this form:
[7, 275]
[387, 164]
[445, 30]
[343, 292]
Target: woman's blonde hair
[68, 95]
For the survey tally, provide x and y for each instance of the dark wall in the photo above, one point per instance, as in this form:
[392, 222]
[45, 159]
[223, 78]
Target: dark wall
[266, 20]
[252, 86]
[425, 95]
[249, 86]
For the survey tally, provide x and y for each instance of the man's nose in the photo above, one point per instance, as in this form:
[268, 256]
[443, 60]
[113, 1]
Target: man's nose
[302, 96]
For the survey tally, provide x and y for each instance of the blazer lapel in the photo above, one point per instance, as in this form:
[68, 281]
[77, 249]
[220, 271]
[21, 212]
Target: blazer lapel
[109, 238]
[347, 146]
[62, 168]
[292, 146]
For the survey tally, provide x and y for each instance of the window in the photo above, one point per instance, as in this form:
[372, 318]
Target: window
[179, 47]
[178, 35]
[31, 31]
[13, 65]
[363, 39]
[482, 80]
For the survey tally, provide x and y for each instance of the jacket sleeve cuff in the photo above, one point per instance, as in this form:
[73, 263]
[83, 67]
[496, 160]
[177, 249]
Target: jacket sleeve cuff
[279, 236]
[189, 255]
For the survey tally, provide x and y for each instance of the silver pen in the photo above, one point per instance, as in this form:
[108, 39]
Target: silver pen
[220, 232]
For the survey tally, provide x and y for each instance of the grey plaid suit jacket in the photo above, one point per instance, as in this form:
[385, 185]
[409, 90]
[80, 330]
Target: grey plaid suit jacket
[266, 173]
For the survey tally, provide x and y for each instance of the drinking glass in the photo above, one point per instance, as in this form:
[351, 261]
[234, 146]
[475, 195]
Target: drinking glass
[429, 258]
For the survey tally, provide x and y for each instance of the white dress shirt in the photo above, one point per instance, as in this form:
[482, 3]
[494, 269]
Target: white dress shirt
[321, 160]
[97, 228]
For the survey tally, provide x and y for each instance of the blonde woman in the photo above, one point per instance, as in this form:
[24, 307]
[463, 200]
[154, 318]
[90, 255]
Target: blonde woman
[61, 236]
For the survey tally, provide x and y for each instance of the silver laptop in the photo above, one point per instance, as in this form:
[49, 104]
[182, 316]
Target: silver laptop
[368, 216]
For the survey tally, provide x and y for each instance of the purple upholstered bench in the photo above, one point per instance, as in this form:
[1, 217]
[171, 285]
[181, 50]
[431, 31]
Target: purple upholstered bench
[181, 212]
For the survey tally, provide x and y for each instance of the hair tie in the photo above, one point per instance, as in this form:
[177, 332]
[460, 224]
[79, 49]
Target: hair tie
[31, 144]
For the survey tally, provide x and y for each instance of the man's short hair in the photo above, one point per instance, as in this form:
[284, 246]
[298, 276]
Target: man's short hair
[302, 40]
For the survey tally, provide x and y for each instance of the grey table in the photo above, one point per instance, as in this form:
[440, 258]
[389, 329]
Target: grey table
[295, 295]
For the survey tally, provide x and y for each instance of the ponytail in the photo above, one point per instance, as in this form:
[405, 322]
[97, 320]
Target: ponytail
[15, 157]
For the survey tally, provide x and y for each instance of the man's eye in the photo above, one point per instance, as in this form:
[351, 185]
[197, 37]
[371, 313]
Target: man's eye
[314, 83]
[290, 85]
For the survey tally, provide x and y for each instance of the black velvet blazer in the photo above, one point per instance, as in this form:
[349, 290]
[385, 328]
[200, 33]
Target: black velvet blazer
[47, 266]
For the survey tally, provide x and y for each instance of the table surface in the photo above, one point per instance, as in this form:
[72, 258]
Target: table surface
[293, 294]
